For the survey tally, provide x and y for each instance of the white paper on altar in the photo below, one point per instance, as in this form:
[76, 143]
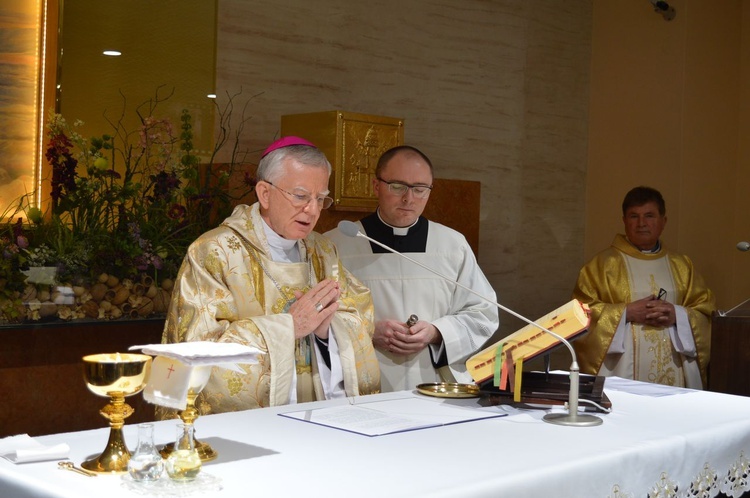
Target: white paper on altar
[392, 416]
[24, 449]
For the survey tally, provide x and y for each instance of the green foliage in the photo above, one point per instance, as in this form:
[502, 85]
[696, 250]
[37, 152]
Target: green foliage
[126, 203]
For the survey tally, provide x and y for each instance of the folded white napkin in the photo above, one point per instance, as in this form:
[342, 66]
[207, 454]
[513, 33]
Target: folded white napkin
[204, 353]
[170, 380]
[24, 449]
[182, 366]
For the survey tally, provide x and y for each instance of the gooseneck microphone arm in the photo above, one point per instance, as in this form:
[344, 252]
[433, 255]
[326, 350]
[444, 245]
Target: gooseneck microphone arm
[358, 233]
[351, 229]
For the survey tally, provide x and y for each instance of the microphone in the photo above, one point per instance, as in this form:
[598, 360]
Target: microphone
[572, 418]
[743, 246]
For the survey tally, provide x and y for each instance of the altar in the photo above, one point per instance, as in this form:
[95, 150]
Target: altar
[672, 442]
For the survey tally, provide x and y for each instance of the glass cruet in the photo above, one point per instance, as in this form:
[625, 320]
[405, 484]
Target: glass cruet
[145, 464]
[184, 463]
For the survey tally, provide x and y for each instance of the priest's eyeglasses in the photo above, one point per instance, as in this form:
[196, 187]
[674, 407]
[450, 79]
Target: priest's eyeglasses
[399, 188]
[300, 197]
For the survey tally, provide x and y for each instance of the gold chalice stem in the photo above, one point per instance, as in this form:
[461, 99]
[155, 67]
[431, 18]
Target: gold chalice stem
[188, 416]
[115, 456]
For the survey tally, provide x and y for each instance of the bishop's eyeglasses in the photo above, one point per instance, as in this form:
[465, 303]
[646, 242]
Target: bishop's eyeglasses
[300, 197]
[400, 188]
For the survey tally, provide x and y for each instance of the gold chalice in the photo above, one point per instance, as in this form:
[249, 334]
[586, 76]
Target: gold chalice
[115, 375]
[198, 379]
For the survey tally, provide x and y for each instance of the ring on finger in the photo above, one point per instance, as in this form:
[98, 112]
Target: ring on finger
[318, 307]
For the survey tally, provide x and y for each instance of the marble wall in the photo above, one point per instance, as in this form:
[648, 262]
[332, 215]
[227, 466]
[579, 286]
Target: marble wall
[492, 91]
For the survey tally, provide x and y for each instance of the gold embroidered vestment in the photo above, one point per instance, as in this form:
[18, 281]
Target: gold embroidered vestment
[230, 290]
[604, 284]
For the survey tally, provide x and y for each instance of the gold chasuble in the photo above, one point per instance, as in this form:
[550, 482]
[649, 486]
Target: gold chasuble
[621, 274]
[230, 290]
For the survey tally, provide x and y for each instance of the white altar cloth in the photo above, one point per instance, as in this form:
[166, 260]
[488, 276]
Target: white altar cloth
[646, 444]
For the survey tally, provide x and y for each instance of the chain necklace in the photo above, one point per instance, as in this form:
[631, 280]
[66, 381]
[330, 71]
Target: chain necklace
[254, 255]
[289, 302]
[303, 346]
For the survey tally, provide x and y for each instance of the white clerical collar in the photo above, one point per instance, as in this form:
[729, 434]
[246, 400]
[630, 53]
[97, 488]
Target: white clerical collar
[397, 230]
[653, 250]
[283, 250]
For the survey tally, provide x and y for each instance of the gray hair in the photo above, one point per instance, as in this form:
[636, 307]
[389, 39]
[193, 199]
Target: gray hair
[270, 166]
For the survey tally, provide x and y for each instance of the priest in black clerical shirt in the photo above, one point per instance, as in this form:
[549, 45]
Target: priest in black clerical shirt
[453, 323]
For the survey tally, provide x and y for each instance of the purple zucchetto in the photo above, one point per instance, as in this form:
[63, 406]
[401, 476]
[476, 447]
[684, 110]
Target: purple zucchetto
[286, 142]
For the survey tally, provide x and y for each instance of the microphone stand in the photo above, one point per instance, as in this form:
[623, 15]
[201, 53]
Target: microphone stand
[572, 418]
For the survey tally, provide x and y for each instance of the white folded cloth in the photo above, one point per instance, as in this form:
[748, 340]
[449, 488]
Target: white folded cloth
[24, 449]
[204, 352]
[182, 366]
[170, 380]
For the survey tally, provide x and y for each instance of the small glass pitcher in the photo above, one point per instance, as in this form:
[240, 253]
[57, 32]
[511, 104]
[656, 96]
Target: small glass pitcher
[146, 464]
[184, 463]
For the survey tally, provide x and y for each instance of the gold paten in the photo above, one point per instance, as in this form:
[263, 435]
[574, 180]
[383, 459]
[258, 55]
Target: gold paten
[449, 390]
[115, 375]
[352, 143]
[198, 380]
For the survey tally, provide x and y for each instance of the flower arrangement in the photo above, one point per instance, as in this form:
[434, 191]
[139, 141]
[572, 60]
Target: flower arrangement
[124, 207]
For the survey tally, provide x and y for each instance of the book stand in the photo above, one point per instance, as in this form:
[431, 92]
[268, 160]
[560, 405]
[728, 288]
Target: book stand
[545, 389]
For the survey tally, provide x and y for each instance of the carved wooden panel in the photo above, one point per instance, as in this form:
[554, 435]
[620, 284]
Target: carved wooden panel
[353, 143]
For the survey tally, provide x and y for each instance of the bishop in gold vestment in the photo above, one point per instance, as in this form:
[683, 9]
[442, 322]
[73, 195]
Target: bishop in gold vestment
[238, 283]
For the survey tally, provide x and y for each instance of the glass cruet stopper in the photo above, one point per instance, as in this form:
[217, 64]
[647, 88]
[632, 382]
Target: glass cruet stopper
[184, 463]
[145, 464]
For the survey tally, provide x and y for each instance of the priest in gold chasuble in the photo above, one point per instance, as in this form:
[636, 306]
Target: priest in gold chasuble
[650, 308]
[263, 278]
